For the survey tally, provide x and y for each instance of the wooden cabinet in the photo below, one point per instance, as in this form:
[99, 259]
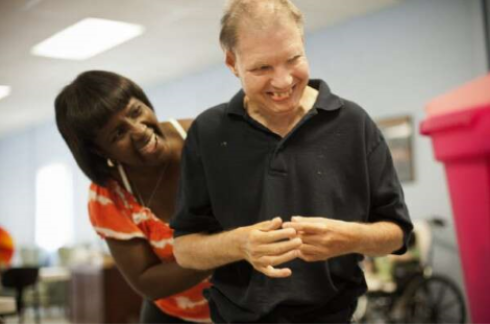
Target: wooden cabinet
[102, 295]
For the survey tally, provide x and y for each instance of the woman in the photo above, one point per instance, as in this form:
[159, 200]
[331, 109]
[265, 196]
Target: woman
[133, 161]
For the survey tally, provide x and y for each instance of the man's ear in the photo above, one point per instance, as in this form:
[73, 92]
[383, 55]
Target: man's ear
[230, 61]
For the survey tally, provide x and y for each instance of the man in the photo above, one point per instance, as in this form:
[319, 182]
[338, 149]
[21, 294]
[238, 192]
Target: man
[286, 186]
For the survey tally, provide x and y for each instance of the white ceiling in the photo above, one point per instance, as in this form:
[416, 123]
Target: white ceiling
[180, 38]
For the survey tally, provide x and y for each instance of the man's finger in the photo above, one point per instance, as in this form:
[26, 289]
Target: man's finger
[277, 235]
[308, 219]
[272, 272]
[278, 248]
[283, 258]
[270, 225]
[305, 227]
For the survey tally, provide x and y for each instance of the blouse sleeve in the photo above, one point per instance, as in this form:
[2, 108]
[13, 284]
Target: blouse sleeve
[111, 215]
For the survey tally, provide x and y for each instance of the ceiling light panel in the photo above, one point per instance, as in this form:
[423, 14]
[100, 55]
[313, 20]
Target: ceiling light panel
[87, 38]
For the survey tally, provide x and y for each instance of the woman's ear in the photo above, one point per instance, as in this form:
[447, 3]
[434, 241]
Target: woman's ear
[95, 150]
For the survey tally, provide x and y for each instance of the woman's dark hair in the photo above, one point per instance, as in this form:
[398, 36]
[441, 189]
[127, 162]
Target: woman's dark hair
[83, 107]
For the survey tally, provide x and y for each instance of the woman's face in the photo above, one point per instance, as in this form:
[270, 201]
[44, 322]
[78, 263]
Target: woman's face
[133, 137]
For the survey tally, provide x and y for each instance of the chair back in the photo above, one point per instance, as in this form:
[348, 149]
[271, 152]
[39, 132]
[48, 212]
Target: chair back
[18, 279]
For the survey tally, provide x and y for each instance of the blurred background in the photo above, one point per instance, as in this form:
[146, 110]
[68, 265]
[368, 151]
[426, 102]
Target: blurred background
[389, 56]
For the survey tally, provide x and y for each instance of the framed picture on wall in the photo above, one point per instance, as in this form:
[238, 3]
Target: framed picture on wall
[398, 132]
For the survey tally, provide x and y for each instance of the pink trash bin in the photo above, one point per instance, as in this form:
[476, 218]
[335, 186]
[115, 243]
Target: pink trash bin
[459, 125]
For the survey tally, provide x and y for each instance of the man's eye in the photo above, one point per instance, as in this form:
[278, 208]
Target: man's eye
[294, 59]
[262, 68]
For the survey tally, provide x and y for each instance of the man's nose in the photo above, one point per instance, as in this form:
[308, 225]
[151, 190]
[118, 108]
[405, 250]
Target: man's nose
[282, 78]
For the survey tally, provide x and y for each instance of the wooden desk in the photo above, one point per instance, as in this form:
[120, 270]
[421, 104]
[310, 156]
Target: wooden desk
[102, 295]
[7, 305]
[54, 274]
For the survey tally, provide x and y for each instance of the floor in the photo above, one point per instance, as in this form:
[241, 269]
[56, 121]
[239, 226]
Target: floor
[48, 316]
[14, 320]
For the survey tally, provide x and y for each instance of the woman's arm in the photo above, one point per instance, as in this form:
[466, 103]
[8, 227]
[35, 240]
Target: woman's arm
[147, 274]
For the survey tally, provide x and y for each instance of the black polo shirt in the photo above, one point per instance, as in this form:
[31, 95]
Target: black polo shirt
[235, 172]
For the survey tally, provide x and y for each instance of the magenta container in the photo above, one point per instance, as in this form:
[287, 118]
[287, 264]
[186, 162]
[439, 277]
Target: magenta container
[459, 125]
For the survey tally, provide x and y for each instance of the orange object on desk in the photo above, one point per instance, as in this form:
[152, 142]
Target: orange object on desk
[6, 247]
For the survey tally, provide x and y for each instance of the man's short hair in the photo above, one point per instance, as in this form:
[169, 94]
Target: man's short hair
[237, 11]
[84, 106]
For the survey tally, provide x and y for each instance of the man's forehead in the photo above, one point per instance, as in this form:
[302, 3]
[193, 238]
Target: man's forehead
[279, 39]
[257, 56]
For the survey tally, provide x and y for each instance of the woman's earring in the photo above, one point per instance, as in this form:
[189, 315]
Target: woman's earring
[110, 164]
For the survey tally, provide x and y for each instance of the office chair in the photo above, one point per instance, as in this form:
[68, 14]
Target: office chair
[19, 279]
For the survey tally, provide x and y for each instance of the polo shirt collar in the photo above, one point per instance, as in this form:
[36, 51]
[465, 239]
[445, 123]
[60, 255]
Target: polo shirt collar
[326, 100]
[235, 106]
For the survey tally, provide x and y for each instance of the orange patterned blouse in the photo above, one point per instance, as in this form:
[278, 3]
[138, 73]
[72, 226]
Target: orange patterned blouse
[116, 214]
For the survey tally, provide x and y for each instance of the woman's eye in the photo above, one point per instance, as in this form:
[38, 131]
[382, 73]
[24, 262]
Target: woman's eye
[137, 111]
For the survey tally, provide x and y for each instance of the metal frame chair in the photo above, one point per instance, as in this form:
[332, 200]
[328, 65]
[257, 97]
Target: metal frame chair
[19, 279]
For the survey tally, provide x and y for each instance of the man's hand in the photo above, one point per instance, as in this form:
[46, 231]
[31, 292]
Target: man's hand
[323, 238]
[266, 245]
